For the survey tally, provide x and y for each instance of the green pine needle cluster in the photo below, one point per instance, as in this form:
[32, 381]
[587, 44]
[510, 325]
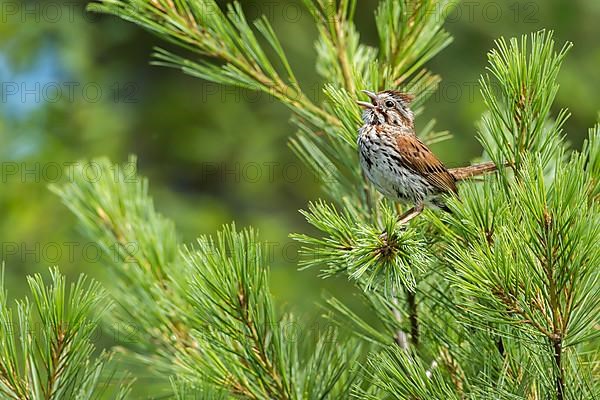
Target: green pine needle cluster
[375, 257]
[203, 313]
[47, 351]
[242, 342]
[519, 121]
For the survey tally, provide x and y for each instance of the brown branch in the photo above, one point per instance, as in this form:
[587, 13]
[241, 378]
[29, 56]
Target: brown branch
[413, 317]
[410, 40]
[57, 365]
[457, 374]
[560, 377]
[513, 307]
[15, 391]
[557, 322]
[211, 46]
[400, 337]
[279, 391]
[340, 42]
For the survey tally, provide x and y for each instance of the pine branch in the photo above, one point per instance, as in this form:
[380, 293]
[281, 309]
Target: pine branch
[222, 37]
[140, 248]
[519, 119]
[55, 361]
[413, 315]
[338, 37]
[411, 379]
[386, 263]
[549, 249]
[229, 276]
[410, 33]
[206, 317]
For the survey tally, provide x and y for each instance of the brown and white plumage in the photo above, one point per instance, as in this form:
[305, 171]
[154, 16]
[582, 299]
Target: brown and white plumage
[397, 162]
[417, 156]
[401, 167]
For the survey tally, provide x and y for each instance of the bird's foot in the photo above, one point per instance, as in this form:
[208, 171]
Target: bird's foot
[384, 235]
[410, 214]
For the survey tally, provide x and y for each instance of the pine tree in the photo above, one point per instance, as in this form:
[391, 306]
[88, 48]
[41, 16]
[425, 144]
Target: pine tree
[498, 299]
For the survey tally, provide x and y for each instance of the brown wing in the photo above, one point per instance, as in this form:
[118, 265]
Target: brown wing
[419, 158]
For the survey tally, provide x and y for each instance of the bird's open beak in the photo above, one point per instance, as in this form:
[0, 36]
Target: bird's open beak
[366, 104]
[372, 96]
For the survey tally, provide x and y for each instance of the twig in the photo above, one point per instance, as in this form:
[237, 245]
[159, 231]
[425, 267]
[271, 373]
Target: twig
[560, 377]
[401, 338]
[260, 350]
[342, 55]
[413, 317]
[56, 364]
[557, 336]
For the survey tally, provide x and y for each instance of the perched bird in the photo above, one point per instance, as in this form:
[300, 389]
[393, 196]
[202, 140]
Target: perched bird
[397, 162]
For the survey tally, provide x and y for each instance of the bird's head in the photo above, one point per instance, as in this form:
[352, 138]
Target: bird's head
[387, 107]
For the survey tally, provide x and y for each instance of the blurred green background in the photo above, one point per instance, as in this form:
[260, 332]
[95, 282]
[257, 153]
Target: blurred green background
[77, 86]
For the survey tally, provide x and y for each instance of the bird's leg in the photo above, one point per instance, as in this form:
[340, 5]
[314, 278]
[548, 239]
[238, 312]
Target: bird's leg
[410, 214]
[406, 217]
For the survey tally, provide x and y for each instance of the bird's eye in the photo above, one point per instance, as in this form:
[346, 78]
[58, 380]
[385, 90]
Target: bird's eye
[389, 104]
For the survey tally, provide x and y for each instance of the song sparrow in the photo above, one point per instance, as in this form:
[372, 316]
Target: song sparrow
[397, 162]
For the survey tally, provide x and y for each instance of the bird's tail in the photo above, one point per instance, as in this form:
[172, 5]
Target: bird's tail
[472, 170]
